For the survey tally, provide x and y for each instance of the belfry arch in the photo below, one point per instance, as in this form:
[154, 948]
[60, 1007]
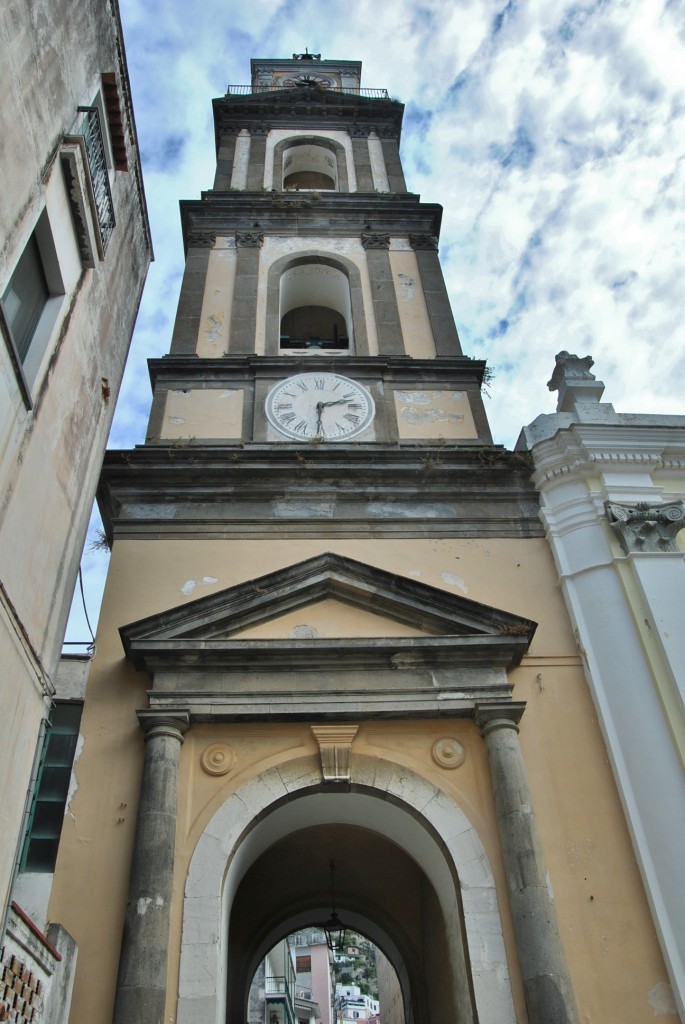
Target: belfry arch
[341, 291]
[452, 887]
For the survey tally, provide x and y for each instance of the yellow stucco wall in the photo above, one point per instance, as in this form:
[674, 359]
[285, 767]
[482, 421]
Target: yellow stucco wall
[605, 924]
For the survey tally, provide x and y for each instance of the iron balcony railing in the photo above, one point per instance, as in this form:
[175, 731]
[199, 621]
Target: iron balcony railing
[251, 90]
[91, 131]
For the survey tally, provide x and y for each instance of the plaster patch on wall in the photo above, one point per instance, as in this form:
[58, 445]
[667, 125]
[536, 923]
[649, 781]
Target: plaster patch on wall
[412, 415]
[189, 586]
[417, 397]
[214, 324]
[454, 581]
[176, 420]
[415, 572]
[73, 781]
[313, 509]
[304, 633]
[407, 284]
[396, 510]
[142, 905]
[662, 1000]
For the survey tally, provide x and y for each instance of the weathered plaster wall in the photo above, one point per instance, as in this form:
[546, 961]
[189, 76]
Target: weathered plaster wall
[215, 319]
[52, 445]
[602, 911]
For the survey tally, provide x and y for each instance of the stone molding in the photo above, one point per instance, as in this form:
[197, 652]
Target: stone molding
[502, 715]
[375, 240]
[249, 239]
[335, 749]
[168, 723]
[428, 242]
[645, 526]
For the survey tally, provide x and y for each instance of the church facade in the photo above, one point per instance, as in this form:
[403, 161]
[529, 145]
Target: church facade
[332, 627]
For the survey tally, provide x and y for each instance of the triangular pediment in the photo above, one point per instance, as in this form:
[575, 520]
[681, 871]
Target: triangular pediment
[228, 627]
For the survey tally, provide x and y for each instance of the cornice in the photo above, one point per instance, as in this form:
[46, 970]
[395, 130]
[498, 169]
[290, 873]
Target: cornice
[582, 449]
[264, 490]
[296, 213]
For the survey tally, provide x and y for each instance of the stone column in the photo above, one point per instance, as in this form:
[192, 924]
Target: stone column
[386, 312]
[243, 329]
[435, 293]
[187, 323]
[546, 981]
[142, 981]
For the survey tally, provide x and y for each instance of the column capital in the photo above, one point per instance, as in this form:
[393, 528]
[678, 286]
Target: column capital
[646, 526]
[164, 723]
[375, 239]
[359, 131]
[249, 239]
[503, 715]
[428, 242]
[201, 240]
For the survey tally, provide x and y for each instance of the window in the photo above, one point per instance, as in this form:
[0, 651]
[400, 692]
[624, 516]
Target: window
[36, 279]
[316, 311]
[52, 788]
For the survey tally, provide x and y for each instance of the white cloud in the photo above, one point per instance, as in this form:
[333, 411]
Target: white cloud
[553, 134]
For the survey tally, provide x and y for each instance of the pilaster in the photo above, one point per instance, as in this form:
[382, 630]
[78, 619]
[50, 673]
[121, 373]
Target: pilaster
[187, 323]
[241, 339]
[435, 293]
[386, 312]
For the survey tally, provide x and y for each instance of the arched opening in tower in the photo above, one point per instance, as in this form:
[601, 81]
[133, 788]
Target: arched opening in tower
[315, 309]
[310, 166]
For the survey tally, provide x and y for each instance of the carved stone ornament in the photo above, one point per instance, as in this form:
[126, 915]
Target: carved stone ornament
[375, 240]
[249, 239]
[218, 759]
[646, 527]
[569, 367]
[424, 242]
[387, 131]
[335, 747]
[448, 753]
[201, 240]
[360, 131]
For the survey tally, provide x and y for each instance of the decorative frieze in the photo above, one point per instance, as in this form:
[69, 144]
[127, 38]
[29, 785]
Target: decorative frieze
[645, 526]
[375, 239]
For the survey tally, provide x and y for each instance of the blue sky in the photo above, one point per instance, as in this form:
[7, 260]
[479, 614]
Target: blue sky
[553, 133]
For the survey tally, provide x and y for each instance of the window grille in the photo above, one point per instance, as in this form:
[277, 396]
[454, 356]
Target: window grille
[91, 131]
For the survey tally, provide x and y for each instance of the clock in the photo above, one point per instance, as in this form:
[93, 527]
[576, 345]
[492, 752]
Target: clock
[319, 406]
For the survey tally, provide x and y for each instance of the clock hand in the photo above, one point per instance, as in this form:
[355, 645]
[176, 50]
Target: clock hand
[340, 401]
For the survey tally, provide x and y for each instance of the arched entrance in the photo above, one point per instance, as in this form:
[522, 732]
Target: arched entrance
[418, 884]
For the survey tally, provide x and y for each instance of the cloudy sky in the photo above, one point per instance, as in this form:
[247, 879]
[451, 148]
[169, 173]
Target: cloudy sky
[553, 133]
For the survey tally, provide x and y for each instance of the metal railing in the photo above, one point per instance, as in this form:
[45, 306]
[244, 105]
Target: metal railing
[91, 131]
[251, 90]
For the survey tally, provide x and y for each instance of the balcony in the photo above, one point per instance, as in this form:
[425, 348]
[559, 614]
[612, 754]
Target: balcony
[254, 90]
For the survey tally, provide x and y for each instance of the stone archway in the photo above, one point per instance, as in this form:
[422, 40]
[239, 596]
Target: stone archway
[409, 811]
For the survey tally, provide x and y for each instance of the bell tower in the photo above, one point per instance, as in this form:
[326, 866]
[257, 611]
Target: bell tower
[332, 627]
[313, 305]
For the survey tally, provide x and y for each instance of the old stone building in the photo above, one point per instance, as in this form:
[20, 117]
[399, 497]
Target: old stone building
[332, 627]
[75, 248]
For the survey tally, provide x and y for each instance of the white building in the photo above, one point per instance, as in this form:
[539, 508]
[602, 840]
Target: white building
[612, 488]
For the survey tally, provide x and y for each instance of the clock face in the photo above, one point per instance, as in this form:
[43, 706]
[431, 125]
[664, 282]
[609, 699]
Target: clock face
[324, 406]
